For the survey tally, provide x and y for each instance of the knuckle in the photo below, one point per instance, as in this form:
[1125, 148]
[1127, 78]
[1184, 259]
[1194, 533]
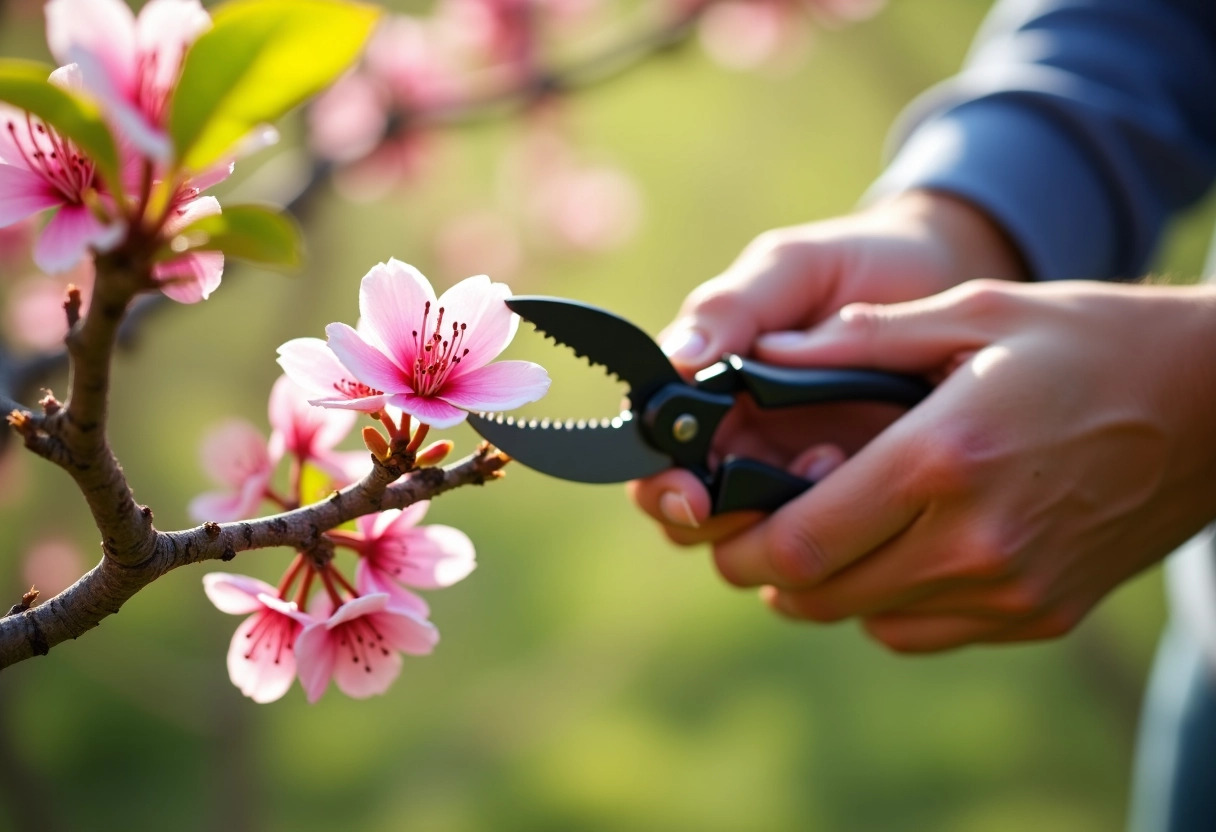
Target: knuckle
[950, 458]
[987, 556]
[1022, 599]
[814, 608]
[984, 296]
[794, 554]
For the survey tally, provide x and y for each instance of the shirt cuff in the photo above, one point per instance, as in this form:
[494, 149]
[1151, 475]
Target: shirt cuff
[1026, 174]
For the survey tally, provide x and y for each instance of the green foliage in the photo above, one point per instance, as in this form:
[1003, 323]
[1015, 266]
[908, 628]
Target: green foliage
[255, 233]
[24, 84]
[261, 59]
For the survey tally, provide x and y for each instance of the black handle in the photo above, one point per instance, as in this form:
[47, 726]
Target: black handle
[745, 484]
[773, 386]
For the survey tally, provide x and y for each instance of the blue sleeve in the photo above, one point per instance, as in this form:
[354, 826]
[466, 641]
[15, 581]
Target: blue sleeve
[1080, 126]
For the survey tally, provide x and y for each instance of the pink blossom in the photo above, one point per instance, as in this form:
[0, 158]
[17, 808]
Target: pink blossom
[430, 357]
[35, 317]
[359, 645]
[750, 34]
[310, 434]
[262, 653]
[129, 64]
[234, 454]
[41, 170]
[396, 553]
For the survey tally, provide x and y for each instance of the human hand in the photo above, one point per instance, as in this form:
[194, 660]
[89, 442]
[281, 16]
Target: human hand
[910, 246]
[1068, 447]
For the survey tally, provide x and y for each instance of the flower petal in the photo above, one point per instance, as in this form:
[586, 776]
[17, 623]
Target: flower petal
[368, 365]
[434, 412]
[301, 428]
[235, 594]
[502, 385]
[392, 301]
[233, 451]
[105, 29]
[191, 277]
[316, 653]
[163, 32]
[480, 304]
[68, 236]
[406, 632]
[368, 672]
[356, 608]
[434, 557]
[261, 661]
[23, 193]
[369, 579]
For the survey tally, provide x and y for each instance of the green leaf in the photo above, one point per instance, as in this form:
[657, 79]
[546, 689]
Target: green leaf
[255, 233]
[24, 85]
[259, 60]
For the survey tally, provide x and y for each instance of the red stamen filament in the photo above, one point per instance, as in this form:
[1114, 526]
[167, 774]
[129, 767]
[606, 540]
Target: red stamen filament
[437, 356]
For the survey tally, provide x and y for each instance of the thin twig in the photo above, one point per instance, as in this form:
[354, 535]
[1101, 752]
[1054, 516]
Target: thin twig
[106, 587]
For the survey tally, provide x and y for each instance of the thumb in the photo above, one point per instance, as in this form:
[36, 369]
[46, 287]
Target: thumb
[913, 337]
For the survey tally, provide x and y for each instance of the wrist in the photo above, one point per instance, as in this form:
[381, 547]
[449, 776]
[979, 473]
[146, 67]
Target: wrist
[969, 243]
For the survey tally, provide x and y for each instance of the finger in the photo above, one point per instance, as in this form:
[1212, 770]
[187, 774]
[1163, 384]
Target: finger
[916, 336]
[680, 503]
[864, 503]
[774, 284]
[932, 633]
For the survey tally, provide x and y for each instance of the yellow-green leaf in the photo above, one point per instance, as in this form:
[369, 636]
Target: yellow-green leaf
[255, 233]
[259, 60]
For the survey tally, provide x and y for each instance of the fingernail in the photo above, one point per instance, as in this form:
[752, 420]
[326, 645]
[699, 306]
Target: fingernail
[676, 509]
[823, 461]
[781, 341]
[685, 344]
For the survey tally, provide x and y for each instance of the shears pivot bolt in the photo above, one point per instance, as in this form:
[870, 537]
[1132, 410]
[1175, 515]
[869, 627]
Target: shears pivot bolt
[684, 428]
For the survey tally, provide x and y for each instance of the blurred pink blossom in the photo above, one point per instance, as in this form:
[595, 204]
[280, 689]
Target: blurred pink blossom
[359, 645]
[34, 315]
[310, 434]
[363, 121]
[482, 241]
[52, 565]
[234, 455]
[262, 653]
[751, 34]
[14, 476]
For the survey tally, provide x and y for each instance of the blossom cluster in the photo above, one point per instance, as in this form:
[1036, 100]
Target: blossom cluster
[416, 361]
[128, 66]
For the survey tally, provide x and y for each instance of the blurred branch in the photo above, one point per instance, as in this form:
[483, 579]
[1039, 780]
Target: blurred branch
[105, 588]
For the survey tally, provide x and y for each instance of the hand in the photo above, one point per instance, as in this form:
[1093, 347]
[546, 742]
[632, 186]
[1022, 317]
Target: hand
[1069, 447]
[910, 246]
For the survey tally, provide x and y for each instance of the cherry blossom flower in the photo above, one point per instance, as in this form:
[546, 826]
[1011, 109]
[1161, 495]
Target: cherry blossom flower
[129, 64]
[310, 434]
[234, 454]
[395, 552]
[359, 645]
[430, 357]
[262, 653]
[34, 315]
[41, 170]
[312, 365]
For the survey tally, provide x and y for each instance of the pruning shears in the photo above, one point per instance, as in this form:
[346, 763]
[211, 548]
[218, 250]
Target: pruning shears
[671, 421]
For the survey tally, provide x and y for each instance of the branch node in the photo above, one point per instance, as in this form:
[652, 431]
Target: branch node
[212, 529]
[50, 405]
[71, 305]
[228, 554]
[27, 601]
[21, 421]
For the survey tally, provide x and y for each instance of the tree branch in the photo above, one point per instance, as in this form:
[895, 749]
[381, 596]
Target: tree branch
[105, 588]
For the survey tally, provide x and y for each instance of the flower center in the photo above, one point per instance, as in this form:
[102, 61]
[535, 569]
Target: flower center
[52, 157]
[361, 640]
[438, 353]
[273, 634]
[354, 389]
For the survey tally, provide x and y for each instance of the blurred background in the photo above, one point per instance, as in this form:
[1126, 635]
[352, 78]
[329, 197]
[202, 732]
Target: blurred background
[590, 676]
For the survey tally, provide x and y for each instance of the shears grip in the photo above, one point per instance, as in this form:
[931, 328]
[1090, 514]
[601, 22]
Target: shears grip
[748, 485]
[773, 386]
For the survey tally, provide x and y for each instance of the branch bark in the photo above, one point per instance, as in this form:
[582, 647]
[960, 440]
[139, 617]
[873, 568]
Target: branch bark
[105, 588]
